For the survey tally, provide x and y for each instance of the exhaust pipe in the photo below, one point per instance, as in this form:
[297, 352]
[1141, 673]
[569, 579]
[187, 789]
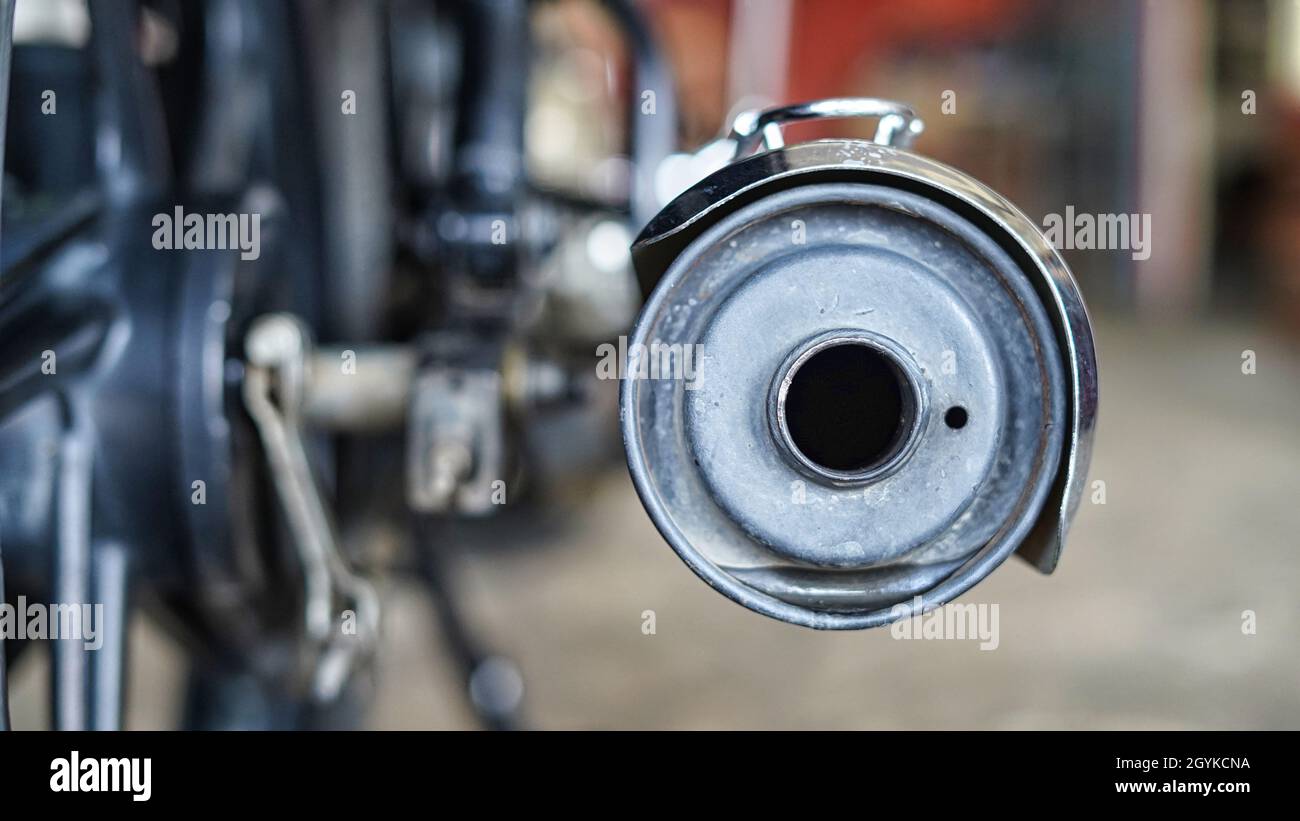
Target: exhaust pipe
[860, 376]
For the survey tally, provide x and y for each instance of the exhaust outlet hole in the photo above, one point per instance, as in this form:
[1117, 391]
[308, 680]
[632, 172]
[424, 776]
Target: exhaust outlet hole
[846, 408]
[956, 417]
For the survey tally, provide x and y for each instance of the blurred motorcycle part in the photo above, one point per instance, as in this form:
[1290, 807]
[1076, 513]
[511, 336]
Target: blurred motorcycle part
[247, 445]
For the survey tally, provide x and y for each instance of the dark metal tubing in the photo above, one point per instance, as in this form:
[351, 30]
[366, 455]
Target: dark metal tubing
[653, 135]
[6, 52]
[131, 139]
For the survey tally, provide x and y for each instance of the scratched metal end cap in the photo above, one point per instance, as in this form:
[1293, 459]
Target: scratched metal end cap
[861, 390]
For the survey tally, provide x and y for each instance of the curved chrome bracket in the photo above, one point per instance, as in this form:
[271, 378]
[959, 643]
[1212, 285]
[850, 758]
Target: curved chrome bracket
[899, 124]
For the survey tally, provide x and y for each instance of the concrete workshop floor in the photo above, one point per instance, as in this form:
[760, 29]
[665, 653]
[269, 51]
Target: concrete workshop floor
[1141, 627]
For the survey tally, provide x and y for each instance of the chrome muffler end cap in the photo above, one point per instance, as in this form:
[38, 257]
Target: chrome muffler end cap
[860, 378]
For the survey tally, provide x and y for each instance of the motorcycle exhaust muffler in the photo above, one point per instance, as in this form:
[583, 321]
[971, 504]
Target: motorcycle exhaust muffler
[890, 381]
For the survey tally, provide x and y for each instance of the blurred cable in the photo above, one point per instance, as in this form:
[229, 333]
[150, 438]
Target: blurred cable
[654, 132]
[6, 51]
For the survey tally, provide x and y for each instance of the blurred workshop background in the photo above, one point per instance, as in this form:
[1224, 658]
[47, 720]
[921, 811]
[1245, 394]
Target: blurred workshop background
[1188, 112]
